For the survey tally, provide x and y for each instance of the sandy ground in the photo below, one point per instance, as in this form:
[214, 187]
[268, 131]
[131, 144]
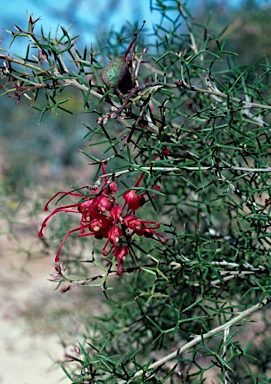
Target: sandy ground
[28, 344]
[35, 319]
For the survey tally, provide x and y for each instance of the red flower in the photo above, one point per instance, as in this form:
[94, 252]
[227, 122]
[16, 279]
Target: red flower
[139, 227]
[133, 200]
[114, 235]
[121, 253]
[103, 217]
[115, 213]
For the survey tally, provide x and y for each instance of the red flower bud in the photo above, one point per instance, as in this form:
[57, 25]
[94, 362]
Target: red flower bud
[133, 200]
[114, 234]
[113, 187]
[120, 253]
[103, 203]
[115, 213]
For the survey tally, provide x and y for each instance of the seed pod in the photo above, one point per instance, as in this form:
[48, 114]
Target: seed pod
[118, 72]
[115, 71]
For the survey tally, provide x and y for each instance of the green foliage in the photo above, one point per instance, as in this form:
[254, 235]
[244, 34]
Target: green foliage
[180, 312]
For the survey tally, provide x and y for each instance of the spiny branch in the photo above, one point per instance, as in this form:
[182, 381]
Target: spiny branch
[197, 339]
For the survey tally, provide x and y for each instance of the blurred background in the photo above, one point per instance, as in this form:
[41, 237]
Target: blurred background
[38, 158]
[55, 142]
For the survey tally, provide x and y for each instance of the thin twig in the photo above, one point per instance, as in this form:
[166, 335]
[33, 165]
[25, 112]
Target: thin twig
[244, 103]
[188, 168]
[189, 26]
[242, 315]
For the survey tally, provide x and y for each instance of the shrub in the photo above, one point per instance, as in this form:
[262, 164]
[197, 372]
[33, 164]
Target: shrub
[192, 129]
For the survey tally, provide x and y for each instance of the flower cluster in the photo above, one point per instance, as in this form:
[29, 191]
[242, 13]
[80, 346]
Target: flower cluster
[104, 218]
